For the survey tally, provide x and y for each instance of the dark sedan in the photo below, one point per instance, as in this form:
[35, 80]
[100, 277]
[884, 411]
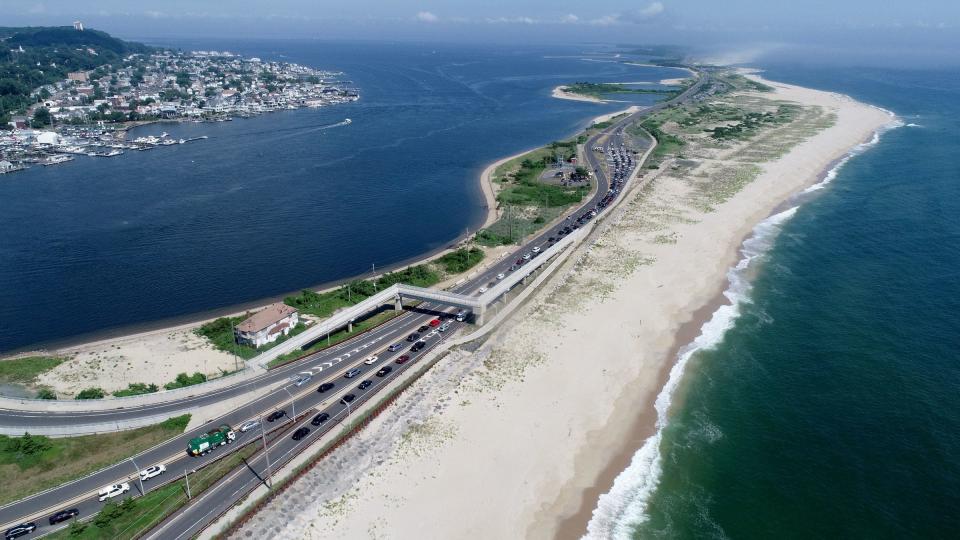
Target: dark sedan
[64, 515]
[301, 433]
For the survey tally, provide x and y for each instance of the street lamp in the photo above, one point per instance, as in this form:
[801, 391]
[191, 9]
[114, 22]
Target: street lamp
[263, 436]
[293, 404]
[140, 478]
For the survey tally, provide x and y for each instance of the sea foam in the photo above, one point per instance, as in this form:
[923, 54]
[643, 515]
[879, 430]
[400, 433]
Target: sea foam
[621, 509]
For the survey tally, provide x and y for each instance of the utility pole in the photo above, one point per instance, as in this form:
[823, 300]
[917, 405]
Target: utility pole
[373, 275]
[186, 477]
[263, 436]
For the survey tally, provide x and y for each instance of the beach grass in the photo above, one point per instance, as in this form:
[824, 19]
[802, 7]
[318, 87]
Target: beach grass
[26, 370]
[32, 464]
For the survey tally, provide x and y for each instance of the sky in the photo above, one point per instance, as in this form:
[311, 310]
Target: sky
[915, 32]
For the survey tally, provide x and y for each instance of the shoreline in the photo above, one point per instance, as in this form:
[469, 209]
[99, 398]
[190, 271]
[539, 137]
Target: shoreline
[645, 426]
[571, 459]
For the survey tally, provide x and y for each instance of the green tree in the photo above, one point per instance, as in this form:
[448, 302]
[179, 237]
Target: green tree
[42, 117]
[46, 393]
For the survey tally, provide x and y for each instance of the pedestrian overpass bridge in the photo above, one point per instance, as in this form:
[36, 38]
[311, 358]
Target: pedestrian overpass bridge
[396, 294]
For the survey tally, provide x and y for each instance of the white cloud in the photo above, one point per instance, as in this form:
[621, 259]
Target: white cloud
[512, 20]
[653, 9]
[154, 14]
[426, 16]
[569, 18]
[637, 16]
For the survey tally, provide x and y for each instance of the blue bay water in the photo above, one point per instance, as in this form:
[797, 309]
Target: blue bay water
[831, 407]
[280, 202]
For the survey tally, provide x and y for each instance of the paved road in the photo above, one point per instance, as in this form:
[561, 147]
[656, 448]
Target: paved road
[330, 364]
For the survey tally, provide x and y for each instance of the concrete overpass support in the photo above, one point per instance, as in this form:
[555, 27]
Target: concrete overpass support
[398, 303]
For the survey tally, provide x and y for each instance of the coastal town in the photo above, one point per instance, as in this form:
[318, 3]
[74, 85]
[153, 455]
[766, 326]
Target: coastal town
[89, 112]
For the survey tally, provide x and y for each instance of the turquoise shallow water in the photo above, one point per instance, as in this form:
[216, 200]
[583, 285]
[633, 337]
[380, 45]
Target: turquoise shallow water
[830, 408]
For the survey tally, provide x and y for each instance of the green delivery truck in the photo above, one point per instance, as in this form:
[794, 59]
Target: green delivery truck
[212, 439]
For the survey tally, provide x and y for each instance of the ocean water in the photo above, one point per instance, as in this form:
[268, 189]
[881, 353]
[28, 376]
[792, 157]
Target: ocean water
[286, 200]
[824, 402]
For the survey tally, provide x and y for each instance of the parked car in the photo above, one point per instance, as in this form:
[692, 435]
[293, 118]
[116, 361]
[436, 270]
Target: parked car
[20, 530]
[276, 415]
[351, 373]
[248, 425]
[347, 399]
[413, 337]
[435, 323]
[364, 385]
[371, 360]
[110, 492]
[395, 347]
[325, 386]
[320, 418]
[153, 471]
[384, 371]
[301, 433]
[63, 515]
[403, 359]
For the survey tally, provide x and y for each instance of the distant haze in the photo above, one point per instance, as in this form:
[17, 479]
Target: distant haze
[919, 33]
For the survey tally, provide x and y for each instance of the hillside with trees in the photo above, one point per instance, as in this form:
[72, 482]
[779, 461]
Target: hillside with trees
[31, 57]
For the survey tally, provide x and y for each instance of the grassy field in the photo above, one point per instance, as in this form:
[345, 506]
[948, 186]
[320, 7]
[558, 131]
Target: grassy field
[461, 260]
[26, 370]
[32, 464]
[132, 517]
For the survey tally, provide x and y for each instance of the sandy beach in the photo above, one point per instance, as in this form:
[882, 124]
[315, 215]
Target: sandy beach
[560, 93]
[518, 438]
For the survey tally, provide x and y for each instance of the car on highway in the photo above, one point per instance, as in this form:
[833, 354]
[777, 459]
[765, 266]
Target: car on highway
[248, 425]
[19, 530]
[423, 329]
[395, 347]
[110, 492]
[461, 316]
[325, 386]
[403, 359]
[320, 418]
[302, 378]
[413, 337]
[444, 327]
[63, 515]
[153, 471]
[482, 290]
[301, 433]
[526, 256]
[418, 346]
[371, 360]
[276, 415]
[500, 276]
[384, 371]
[347, 399]
[536, 249]
[435, 323]
[351, 373]
[364, 385]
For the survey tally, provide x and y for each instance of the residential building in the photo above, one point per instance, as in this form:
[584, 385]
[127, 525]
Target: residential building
[266, 325]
